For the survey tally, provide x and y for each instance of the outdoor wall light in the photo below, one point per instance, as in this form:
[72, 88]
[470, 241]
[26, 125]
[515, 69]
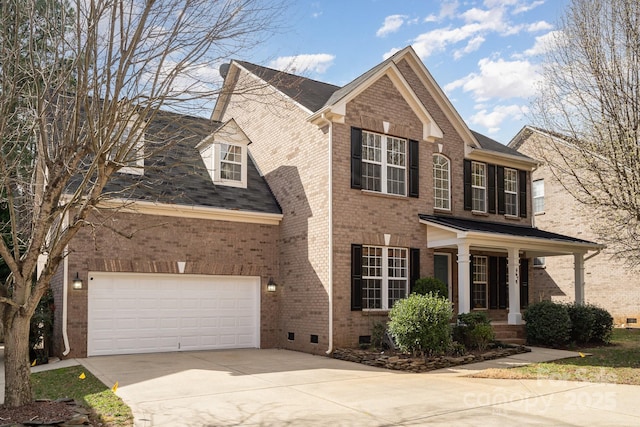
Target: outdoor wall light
[271, 286]
[77, 282]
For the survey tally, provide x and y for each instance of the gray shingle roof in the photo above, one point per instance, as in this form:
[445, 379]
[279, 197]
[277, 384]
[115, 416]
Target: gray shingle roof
[179, 176]
[500, 228]
[492, 145]
[312, 94]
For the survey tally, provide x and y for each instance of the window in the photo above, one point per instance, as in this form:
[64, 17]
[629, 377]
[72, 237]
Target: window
[225, 162]
[441, 186]
[384, 163]
[130, 152]
[479, 291]
[538, 196]
[511, 192]
[479, 186]
[384, 276]
[230, 162]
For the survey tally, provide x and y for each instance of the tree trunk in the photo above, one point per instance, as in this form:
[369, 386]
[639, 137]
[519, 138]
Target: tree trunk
[17, 371]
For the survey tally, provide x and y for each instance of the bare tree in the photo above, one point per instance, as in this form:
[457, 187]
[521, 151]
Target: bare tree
[590, 97]
[79, 84]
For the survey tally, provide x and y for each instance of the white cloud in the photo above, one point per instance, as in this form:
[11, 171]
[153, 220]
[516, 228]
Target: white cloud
[390, 53]
[543, 43]
[447, 10]
[492, 120]
[391, 24]
[499, 79]
[317, 63]
[525, 7]
[473, 45]
[539, 26]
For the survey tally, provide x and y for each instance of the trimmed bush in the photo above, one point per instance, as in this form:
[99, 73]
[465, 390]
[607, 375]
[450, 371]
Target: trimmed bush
[602, 325]
[548, 323]
[420, 324]
[426, 285]
[582, 322]
[474, 330]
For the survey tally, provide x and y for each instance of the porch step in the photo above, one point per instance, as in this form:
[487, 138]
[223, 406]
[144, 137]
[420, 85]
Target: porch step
[512, 334]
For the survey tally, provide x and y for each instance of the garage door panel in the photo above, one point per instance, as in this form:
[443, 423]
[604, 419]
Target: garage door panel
[143, 313]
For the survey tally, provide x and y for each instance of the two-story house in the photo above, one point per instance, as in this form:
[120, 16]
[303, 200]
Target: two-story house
[555, 209]
[381, 182]
[299, 214]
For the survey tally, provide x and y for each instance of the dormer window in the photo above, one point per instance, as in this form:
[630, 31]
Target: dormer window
[225, 155]
[129, 152]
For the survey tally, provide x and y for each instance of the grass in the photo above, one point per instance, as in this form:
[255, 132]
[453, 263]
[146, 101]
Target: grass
[90, 392]
[617, 362]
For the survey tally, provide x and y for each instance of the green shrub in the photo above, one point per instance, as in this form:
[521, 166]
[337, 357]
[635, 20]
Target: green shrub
[420, 324]
[474, 330]
[377, 334]
[548, 323]
[602, 325]
[426, 285]
[582, 322]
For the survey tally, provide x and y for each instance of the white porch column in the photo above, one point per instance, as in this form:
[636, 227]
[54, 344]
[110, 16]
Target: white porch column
[515, 317]
[578, 267]
[464, 278]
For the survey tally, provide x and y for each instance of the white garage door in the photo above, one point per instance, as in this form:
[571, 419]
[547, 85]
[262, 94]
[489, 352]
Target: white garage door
[148, 313]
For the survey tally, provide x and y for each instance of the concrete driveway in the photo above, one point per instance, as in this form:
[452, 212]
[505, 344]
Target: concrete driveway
[285, 388]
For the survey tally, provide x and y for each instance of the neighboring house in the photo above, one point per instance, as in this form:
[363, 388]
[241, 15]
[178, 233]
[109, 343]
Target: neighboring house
[181, 255]
[381, 182]
[609, 282]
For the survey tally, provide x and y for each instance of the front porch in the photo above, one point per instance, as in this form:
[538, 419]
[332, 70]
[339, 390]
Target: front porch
[494, 260]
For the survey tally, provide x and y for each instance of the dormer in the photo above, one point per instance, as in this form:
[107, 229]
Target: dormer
[224, 153]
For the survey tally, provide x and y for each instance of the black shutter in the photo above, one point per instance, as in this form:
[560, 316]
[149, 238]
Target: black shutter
[491, 188]
[414, 168]
[356, 158]
[414, 266]
[501, 198]
[522, 182]
[356, 277]
[503, 289]
[467, 185]
[524, 283]
[493, 282]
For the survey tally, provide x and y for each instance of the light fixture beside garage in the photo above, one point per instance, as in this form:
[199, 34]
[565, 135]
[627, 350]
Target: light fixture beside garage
[77, 282]
[271, 286]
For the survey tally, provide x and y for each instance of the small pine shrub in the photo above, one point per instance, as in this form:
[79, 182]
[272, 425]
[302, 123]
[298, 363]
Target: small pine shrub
[602, 325]
[425, 285]
[582, 322]
[548, 323]
[420, 324]
[481, 336]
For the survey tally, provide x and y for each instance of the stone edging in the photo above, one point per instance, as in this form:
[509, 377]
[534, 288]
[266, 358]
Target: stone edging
[405, 362]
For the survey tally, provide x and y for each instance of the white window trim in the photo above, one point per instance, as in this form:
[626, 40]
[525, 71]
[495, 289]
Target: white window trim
[448, 183]
[484, 165]
[211, 155]
[384, 288]
[534, 197]
[486, 283]
[384, 143]
[514, 193]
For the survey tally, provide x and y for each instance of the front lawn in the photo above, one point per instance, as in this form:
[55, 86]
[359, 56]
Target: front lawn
[618, 362]
[106, 407]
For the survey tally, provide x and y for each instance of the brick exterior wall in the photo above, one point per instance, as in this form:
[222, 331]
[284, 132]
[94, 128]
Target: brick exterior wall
[156, 244]
[609, 283]
[294, 158]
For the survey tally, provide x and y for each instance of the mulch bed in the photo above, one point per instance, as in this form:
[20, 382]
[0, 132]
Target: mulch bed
[394, 360]
[45, 413]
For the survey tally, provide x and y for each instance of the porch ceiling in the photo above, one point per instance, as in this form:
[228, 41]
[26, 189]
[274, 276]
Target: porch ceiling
[448, 232]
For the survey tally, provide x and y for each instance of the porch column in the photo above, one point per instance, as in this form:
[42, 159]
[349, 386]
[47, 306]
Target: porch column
[464, 278]
[578, 267]
[515, 317]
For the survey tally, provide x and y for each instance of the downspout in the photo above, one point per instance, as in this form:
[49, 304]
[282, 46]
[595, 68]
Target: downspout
[65, 291]
[330, 124]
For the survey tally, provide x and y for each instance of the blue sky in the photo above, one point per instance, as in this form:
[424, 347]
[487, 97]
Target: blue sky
[484, 54]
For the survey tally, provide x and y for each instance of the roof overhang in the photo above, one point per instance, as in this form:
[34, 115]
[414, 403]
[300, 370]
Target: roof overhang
[336, 112]
[441, 235]
[503, 159]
